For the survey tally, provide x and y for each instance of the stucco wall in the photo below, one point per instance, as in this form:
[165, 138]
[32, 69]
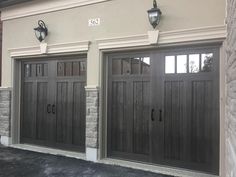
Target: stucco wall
[118, 18]
[231, 90]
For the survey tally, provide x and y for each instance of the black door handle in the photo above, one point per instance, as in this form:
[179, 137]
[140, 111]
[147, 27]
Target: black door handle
[160, 115]
[152, 114]
[54, 109]
[49, 108]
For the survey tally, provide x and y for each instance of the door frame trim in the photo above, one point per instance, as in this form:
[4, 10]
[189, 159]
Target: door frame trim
[32, 52]
[104, 86]
[16, 90]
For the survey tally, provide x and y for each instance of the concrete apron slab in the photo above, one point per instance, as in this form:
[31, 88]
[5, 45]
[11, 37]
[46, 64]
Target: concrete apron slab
[4, 140]
[51, 151]
[173, 171]
[146, 167]
[21, 163]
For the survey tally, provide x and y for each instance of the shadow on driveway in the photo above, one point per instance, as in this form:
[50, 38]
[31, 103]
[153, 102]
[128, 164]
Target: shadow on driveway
[20, 163]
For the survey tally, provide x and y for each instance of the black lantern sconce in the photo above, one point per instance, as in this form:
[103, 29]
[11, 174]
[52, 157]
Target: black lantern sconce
[154, 15]
[41, 31]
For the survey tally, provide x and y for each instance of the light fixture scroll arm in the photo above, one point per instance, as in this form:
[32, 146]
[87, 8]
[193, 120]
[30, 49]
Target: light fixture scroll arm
[42, 25]
[154, 3]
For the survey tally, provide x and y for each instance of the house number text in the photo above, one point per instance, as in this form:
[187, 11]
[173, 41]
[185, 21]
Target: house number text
[94, 22]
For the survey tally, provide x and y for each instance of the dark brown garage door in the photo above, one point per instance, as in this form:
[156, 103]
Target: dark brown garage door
[163, 107]
[53, 103]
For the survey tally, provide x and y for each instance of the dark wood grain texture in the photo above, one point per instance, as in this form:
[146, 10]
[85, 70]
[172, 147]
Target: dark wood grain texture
[170, 119]
[54, 104]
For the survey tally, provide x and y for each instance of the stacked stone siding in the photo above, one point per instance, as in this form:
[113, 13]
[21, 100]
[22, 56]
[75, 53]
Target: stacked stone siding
[230, 45]
[92, 118]
[5, 105]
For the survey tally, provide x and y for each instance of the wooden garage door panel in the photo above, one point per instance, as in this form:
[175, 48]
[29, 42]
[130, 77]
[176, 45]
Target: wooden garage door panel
[34, 89]
[191, 99]
[63, 119]
[70, 102]
[41, 115]
[141, 116]
[119, 111]
[173, 120]
[70, 113]
[201, 117]
[170, 114]
[188, 131]
[129, 106]
[54, 103]
[28, 121]
[129, 124]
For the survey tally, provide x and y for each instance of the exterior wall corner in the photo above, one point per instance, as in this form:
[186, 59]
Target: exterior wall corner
[230, 122]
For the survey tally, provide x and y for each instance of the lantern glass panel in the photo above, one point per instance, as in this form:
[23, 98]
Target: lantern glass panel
[37, 34]
[43, 34]
[153, 16]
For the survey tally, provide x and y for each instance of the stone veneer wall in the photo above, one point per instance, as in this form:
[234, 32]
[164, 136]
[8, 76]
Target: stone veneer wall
[5, 112]
[230, 45]
[92, 96]
[0, 51]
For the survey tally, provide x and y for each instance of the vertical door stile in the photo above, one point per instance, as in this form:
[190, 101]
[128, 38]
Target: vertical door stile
[130, 115]
[157, 123]
[152, 107]
[70, 112]
[161, 100]
[52, 122]
[35, 85]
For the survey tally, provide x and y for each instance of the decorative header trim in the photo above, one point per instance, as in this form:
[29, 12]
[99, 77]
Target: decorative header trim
[40, 7]
[207, 34]
[214, 33]
[82, 46]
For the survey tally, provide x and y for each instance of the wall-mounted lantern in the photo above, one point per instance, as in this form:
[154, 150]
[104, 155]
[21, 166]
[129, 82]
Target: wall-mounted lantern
[41, 31]
[154, 15]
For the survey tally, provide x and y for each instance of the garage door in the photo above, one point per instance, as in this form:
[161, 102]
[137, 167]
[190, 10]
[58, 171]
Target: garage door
[163, 107]
[53, 103]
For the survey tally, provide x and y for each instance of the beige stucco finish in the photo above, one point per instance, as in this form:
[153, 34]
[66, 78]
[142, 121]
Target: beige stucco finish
[118, 18]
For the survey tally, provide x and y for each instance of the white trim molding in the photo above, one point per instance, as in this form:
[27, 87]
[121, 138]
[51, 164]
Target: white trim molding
[214, 33]
[127, 41]
[74, 47]
[5, 140]
[48, 150]
[92, 154]
[5, 88]
[40, 7]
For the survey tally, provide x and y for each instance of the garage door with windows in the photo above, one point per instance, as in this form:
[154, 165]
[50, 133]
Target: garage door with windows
[163, 107]
[53, 103]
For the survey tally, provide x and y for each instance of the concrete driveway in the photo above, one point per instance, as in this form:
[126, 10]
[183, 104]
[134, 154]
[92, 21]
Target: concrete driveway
[20, 163]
